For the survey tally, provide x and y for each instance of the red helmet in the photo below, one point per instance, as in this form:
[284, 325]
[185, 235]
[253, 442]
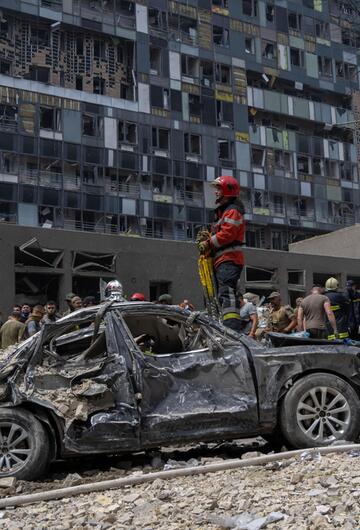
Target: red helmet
[229, 186]
[137, 297]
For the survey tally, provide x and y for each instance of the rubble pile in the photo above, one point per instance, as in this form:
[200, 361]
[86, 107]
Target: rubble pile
[305, 493]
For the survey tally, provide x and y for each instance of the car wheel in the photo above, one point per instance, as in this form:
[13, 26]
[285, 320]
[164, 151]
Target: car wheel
[319, 409]
[24, 445]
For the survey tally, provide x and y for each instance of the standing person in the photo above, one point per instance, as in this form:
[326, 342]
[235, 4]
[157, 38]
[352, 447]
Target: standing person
[89, 301]
[68, 299]
[225, 245]
[248, 317]
[25, 312]
[282, 317]
[74, 304]
[32, 325]
[12, 331]
[51, 314]
[340, 306]
[353, 316]
[298, 303]
[313, 312]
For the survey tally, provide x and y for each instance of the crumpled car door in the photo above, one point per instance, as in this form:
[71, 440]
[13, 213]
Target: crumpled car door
[203, 394]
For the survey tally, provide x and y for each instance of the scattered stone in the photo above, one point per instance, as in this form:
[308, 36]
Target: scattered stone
[7, 482]
[73, 479]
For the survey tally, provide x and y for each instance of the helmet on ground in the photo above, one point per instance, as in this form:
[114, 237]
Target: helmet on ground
[228, 185]
[137, 297]
[331, 284]
[114, 290]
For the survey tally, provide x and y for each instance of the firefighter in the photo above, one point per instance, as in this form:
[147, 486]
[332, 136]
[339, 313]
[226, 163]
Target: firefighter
[225, 245]
[340, 306]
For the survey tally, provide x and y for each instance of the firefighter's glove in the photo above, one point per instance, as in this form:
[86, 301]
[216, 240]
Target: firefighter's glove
[202, 235]
[204, 247]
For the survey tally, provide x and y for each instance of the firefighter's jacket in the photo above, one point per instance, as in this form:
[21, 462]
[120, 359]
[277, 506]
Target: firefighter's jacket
[228, 233]
[340, 305]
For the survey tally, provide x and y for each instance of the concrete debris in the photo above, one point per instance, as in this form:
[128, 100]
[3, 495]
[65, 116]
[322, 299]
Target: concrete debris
[305, 495]
[175, 464]
[7, 482]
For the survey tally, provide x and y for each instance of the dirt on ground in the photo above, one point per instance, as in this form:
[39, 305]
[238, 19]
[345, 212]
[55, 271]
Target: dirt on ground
[309, 492]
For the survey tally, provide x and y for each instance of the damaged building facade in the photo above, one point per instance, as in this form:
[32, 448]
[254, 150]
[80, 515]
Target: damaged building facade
[115, 116]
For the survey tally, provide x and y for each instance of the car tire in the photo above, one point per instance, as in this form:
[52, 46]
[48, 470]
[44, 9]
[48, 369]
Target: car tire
[24, 445]
[318, 410]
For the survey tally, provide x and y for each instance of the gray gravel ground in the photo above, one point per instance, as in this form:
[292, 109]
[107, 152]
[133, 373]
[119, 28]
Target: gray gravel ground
[310, 494]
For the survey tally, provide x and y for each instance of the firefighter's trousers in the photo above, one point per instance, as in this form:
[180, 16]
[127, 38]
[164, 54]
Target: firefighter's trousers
[227, 275]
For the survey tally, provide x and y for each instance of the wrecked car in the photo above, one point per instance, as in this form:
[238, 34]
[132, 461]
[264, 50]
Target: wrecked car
[124, 377]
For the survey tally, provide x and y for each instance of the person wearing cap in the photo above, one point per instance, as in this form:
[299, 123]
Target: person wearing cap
[68, 299]
[165, 299]
[225, 245]
[137, 297]
[340, 306]
[282, 318]
[74, 303]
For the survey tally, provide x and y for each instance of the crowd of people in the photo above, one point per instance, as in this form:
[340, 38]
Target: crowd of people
[24, 320]
[325, 313]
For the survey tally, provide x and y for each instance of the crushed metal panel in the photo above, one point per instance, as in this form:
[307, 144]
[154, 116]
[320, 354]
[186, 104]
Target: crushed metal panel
[40, 255]
[86, 261]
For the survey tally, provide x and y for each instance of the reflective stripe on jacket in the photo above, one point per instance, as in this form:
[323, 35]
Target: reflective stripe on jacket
[228, 234]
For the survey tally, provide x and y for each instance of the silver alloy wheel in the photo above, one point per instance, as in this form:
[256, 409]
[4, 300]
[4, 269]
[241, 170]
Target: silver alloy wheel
[15, 447]
[323, 414]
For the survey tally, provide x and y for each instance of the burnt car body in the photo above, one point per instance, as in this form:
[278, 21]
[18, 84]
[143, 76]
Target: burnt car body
[125, 377]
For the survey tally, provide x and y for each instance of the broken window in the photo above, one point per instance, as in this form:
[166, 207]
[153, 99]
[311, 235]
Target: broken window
[155, 60]
[258, 275]
[250, 45]
[156, 335]
[283, 160]
[86, 261]
[39, 36]
[207, 73]
[294, 20]
[5, 67]
[157, 18]
[192, 144]
[36, 288]
[99, 49]
[322, 29]
[268, 50]
[4, 28]
[160, 138]
[325, 66]
[92, 125]
[278, 207]
[223, 4]
[194, 105]
[297, 57]
[32, 254]
[270, 11]
[8, 116]
[221, 36]
[250, 8]
[296, 277]
[225, 116]
[38, 73]
[223, 74]
[98, 85]
[258, 156]
[225, 149]
[350, 72]
[127, 132]
[50, 118]
[303, 164]
[318, 166]
[190, 66]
